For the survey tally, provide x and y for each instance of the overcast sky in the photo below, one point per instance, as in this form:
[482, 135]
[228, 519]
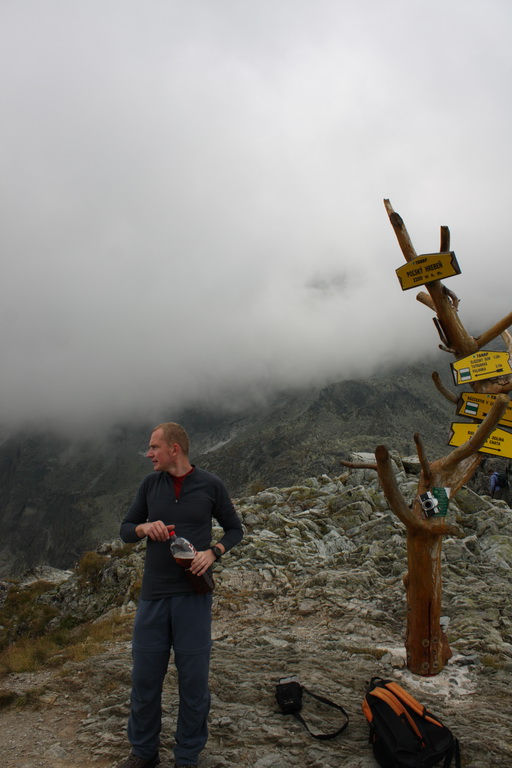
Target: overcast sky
[191, 191]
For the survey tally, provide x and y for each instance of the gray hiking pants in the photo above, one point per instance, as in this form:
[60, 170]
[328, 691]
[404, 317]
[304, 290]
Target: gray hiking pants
[181, 622]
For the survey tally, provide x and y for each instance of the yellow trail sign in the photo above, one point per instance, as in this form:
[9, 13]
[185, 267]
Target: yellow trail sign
[477, 406]
[481, 365]
[427, 268]
[498, 444]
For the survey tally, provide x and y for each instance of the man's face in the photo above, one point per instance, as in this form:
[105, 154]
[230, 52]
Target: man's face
[162, 455]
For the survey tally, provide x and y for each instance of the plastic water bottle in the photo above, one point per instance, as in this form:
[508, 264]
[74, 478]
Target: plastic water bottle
[184, 552]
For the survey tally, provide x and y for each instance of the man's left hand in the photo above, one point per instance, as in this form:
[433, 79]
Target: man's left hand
[202, 561]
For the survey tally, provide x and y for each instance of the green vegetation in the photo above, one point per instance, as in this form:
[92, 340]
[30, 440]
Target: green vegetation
[257, 486]
[22, 616]
[90, 569]
[37, 631]
[492, 661]
[61, 645]
[123, 550]
[376, 653]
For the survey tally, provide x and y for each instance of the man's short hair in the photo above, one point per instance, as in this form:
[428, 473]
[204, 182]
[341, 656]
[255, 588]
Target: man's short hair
[174, 433]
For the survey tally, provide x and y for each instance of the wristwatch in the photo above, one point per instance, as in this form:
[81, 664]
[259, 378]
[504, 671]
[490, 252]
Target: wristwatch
[217, 552]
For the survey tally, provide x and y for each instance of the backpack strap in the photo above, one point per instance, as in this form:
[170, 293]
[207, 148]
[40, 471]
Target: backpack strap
[411, 702]
[453, 753]
[329, 703]
[398, 708]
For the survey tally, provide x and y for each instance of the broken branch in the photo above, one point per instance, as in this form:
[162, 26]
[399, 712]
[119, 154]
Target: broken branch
[451, 396]
[422, 456]
[401, 233]
[392, 492]
[358, 465]
[496, 330]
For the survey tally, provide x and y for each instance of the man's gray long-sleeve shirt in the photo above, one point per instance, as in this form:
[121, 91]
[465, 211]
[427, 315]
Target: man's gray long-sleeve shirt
[203, 497]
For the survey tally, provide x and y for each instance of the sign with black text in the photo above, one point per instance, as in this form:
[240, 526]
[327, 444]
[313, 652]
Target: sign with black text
[481, 365]
[498, 444]
[477, 406]
[427, 268]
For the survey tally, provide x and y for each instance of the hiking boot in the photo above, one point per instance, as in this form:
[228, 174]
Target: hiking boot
[139, 762]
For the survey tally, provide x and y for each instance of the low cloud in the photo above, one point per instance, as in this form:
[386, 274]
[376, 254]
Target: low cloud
[191, 201]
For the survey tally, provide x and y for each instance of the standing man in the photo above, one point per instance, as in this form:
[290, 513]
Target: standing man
[497, 483]
[170, 613]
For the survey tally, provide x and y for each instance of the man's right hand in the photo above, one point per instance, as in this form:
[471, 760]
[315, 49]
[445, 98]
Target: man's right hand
[157, 531]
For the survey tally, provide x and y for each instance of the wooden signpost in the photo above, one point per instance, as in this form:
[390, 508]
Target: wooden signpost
[489, 373]
[481, 365]
[427, 268]
[425, 517]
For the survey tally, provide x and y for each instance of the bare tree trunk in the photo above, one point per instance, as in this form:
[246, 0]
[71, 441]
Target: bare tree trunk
[426, 644]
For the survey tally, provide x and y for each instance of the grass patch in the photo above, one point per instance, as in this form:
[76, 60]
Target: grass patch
[492, 662]
[30, 698]
[90, 569]
[7, 698]
[22, 615]
[124, 550]
[35, 633]
[376, 653]
[135, 588]
[55, 648]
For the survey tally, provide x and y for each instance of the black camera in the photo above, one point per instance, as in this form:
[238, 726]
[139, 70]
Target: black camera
[428, 503]
[289, 695]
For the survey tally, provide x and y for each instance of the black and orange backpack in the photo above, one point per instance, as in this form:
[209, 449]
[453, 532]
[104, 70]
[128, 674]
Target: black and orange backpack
[403, 733]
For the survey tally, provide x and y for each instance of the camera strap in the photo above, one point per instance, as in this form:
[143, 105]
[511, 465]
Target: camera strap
[295, 711]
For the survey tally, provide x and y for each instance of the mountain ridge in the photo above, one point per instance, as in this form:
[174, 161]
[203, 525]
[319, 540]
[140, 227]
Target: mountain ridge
[62, 495]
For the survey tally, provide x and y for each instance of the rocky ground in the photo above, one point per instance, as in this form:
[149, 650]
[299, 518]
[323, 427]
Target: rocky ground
[314, 590]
